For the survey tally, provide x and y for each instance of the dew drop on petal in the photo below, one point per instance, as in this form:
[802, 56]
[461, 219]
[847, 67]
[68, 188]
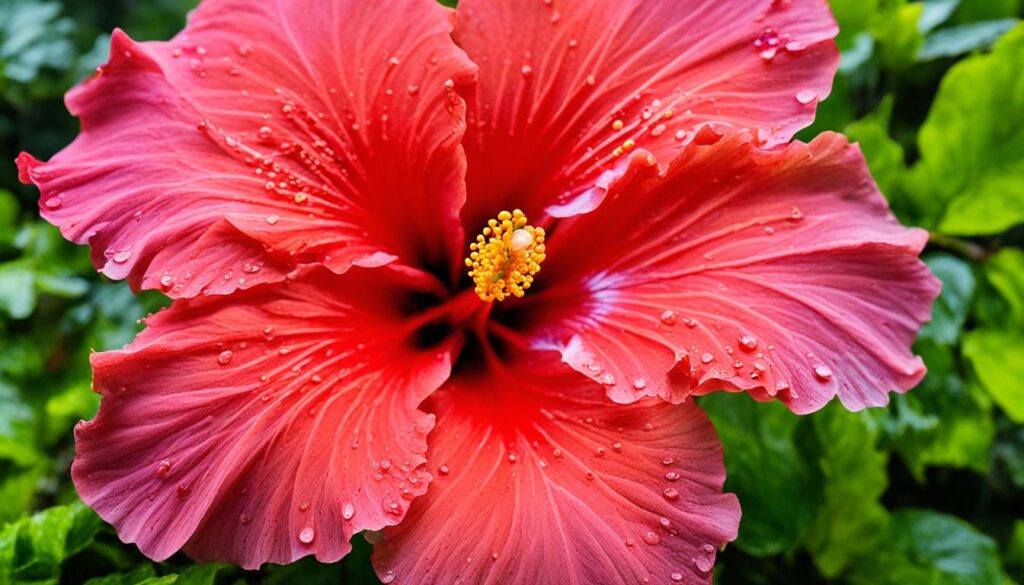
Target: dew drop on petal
[640, 383]
[671, 494]
[388, 577]
[307, 535]
[676, 576]
[651, 538]
[669, 317]
[163, 468]
[225, 357]
[348, 511]
[822, 372]
[806, 97]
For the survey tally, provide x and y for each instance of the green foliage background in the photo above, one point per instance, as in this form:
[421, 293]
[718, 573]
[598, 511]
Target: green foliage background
[928, 491]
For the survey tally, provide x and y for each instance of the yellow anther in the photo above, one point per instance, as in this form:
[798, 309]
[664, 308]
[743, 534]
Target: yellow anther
[505, 257]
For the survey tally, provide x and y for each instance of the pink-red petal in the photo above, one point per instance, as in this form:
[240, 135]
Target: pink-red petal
[782, 273]
[540, 479]
[268, 134]
[567, 85]
[263, 426]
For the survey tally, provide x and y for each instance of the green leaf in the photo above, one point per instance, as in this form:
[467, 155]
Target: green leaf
[999, 364]
[779, 486]
[921, 547]
[853, 17]
[852, 517]
[884, 155]
[957, 40]
[944, 421]
[17, 289]
[896, 29]
[9, 209]
[936, 12]
[970, 179]
[1005, 272]
[954, 303]
[133, 577]
[33, 36]
[975, 10]
[33, 549]
[1014, 557]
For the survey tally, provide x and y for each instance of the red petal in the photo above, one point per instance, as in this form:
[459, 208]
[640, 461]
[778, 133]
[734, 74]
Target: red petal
[264, 426]
[540, 479]
[559, 77]
[288, 129]
[781, 273]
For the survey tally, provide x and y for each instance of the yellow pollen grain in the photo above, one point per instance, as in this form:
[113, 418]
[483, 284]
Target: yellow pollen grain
[505, 257]
[617, 125]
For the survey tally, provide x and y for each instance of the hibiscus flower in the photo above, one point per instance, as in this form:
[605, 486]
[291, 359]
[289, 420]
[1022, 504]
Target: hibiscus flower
[312, 180]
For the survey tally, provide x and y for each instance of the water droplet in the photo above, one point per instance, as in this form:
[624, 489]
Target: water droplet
[640, 383]
[707, 358]
[512, 458]
[651, 538]
[388, 577]
[348, 511]
[824, 373]
[665, 523]
[672, 476]
[122, 256]
[527, 70]
[307, 535]
[225, 357]
[272, 219]
[54, 202]
[671, 494]
[391, 507]
[668, 461]
[265, 132]
[748, 342]
[245, 519]
[806, 97]
[303, 506]
[669, 317]
[676, 576]
[704, 564]
[163, 469]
